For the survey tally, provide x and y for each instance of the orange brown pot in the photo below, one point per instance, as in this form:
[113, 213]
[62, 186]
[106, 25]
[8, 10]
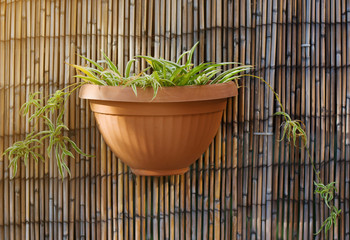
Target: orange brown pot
[160, 136]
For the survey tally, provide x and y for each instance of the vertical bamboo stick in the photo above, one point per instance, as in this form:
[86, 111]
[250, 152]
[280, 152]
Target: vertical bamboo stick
[167, 29]
[2, 112]
[226, 141]
[114, 198]
[247, 181]
[120, 200]
[126, 205]
[137, 206]
[255, 141]
[171, 194]
[166, 202]
[23, 88]
[337, 172]
[270, 74]
[320, 107]
[279, 147]
[210, 187]
[101, 150]
[313, 78]
[342, 28]
[222, 198]
[80, 115]
[205, 227]
[217, 183]
[5, 28]
[54, 73]
[162, 24]
[240, 119]
[347, 170]
[45, 83]
[177, 226]
[149, 209]
[120, 34]
[329, 167]
[109, 206]
[173, 30]
[139, 180]
[116, 169]
[287, 149]
[49, 33]
[297, 105]
[20, 205]
[151, 26]
[144, 11]
[226, 147]
[273, 170]
[157, 222]
[289, 103]
[37, 76]
[304, 112]
[132, 39]
[106, 154]
[11, 101]
[161, 199]
[217, 24]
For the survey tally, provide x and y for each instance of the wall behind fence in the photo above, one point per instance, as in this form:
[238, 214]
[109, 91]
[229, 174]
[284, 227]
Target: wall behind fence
[247, 185]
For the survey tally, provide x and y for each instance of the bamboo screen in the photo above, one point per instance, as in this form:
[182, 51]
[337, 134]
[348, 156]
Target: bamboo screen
[248, 184]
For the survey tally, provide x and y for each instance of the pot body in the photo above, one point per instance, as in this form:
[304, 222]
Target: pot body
[156, 137]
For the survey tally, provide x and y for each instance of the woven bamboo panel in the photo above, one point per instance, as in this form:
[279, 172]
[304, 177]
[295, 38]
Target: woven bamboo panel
[247, 185]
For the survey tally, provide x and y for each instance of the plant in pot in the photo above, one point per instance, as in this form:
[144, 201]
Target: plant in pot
[158, 121]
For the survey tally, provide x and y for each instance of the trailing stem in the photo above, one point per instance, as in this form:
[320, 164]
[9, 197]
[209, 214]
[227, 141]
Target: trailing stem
[51, 110]
[292, 131]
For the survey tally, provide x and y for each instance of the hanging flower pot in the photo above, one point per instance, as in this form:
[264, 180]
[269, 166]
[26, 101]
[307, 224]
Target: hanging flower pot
[158, 121]
[162, 135]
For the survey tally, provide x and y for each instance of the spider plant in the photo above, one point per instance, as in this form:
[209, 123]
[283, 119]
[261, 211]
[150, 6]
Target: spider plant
[159, 73]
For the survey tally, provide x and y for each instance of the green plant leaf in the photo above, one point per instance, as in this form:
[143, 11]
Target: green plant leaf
[92, 62]
[92, 80]
[110, 64]
[128, 67]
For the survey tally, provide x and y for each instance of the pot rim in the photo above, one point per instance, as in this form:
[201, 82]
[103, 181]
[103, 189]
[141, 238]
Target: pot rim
[165, 94]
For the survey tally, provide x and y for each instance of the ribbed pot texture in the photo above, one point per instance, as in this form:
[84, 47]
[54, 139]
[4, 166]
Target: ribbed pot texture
[163, 135]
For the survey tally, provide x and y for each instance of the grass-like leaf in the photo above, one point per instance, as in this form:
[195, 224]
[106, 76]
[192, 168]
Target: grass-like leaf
[22, 150]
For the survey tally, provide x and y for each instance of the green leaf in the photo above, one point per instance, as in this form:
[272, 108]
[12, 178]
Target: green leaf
[78, 150]
[128, 67]
[134, 88]
[65, 151]
[190, 54]
[64, 165]
[93, 80]
[59, 163]
[92, 62]
[110, 64]
[33, 101]
[25, 158]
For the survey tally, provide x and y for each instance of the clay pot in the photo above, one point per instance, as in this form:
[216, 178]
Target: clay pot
[160, 136]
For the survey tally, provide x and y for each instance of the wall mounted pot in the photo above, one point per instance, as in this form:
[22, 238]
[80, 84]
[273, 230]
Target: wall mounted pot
[160, 136]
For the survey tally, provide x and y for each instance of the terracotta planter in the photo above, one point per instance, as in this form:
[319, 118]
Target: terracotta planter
[163, 136]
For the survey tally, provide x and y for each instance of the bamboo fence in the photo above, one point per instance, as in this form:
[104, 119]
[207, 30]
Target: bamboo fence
[247, 185]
